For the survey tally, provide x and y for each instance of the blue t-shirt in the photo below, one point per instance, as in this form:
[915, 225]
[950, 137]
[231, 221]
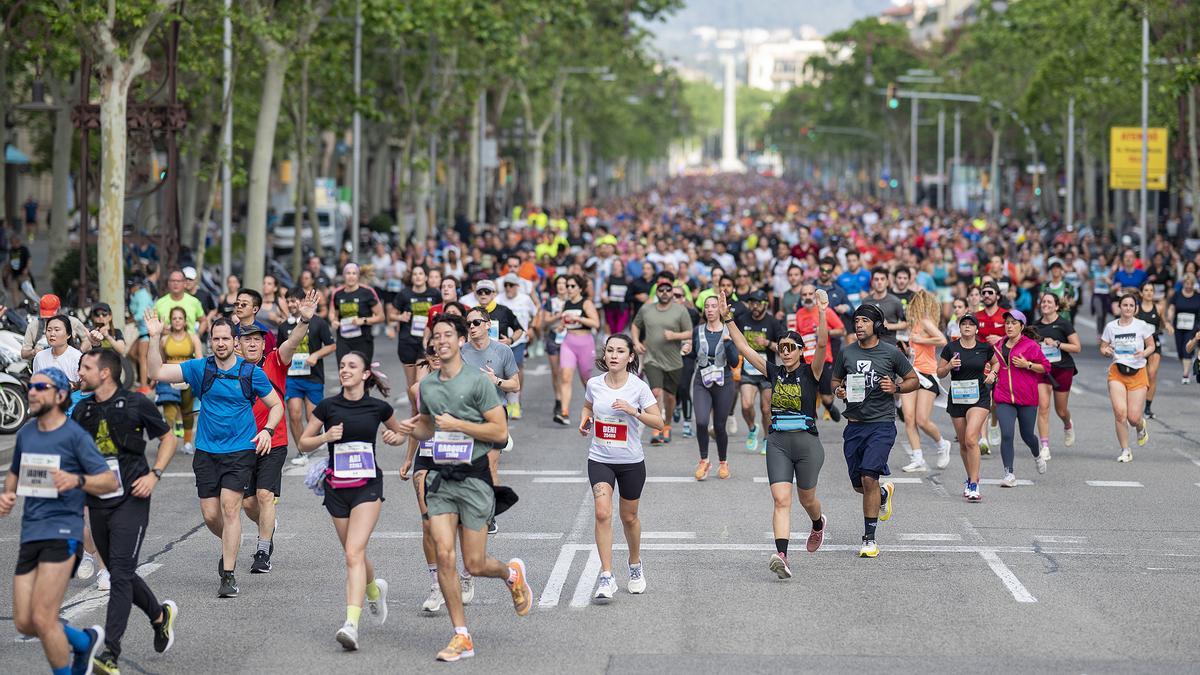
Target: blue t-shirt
[62, 517]
[1130, 280]
[226, 418]
[855, 282]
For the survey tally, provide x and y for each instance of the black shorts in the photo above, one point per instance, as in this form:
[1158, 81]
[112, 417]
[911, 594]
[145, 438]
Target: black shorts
[956, 410]
[268, 471]
[34, 553]
[759, 381]
[222, 471]
[933, 386]
[339, 503]
[409, 351]
[627, 479]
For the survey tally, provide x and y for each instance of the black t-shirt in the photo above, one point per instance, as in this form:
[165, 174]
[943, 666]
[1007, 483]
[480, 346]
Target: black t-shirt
[360, 420]
[618, 289]
[116, 424]
[319, 335]
[417, 302]
[974, 359]
[794, 392]
[357, 303]
[637, 286]
[1060, 329]
[506, 321]
[1186, 305]
[759, 332]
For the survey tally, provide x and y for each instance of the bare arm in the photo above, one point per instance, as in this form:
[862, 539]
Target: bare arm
[311, 440]
[155, 368]
[493, 428]
[932, 336]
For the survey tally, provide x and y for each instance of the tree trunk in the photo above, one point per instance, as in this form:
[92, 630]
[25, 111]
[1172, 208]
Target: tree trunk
[377, 179]
[537, 170]
[300, 203]
[583, 197]
[5, 212]
[995, 172]
[275, 71]
[1193, 154]
[473, 185]
[64, 132]
[1089, 181]
[116, 78]
[452, 170]
[190, 187]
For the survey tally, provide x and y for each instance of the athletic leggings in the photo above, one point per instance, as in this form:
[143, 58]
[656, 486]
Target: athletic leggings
[118, 533]
[578, 352]
[683, 392]
[1008, 415]
[616, 318]
[717, 401]
[794, 455]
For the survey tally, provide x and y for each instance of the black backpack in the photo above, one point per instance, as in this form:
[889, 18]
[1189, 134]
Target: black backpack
[245, 377]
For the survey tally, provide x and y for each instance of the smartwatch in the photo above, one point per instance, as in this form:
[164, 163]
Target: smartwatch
[157, 473]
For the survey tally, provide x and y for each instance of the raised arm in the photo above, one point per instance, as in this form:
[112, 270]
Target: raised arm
[754, 358]
[155, 368]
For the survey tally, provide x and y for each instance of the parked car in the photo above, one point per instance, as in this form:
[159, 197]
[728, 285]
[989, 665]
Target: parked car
[333, 222]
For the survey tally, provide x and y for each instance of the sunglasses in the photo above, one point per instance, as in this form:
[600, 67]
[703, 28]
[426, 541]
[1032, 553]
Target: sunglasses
[677, 296]
[484, 291]
[100, 313]
[475, 323]
[41, 386]
[786, 347]
[572, 285]
[241, 304]
[988, 292]
[826, 270]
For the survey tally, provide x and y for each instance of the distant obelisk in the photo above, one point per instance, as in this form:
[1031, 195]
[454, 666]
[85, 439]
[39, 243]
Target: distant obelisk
[729, 154]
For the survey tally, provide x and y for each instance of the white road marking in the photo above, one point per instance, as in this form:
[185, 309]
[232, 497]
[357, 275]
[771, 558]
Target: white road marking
[1010, 580]
[560, 479]
[996, 481]
[930, 536]
[971, 531]
[1115, 483]
[546, 472]
[527, 536]
[904, 480]
[587, 581]
[94, 598]
[668, 535]
[671, 479]
[1059, 539]
[558, 576]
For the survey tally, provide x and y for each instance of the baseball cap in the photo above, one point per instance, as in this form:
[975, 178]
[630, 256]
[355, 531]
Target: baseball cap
[49, 305]
[100, 306]
[485, 284]
[511, 279]
[756, 296]
[189, 273]
[968, 318]
[1018, 315]
[252, 329]
[1053, 262]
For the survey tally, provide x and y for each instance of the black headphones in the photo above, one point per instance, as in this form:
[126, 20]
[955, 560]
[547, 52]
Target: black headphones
[874, 314]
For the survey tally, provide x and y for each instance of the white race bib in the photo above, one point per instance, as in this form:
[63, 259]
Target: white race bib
[115, 467]
[353, 459]
[394, 285]
[1053, 354]
[748, 368]
[964, 392]
[36, 475]
[452, 447]
[349, 329]
[1123, 346]
[856, 387]
[855, 299]
[425, 449]
[417, 329]
[712, 376]
[610, 432]
[299, 366]
[617, 293]
[1185, 321]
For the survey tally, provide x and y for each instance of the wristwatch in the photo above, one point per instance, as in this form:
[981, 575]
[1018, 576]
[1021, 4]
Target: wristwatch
[82, 481]
[269, 430]
[157, 473]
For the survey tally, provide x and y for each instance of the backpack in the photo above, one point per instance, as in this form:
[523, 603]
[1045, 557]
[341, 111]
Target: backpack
[245, 376]
[126, 434]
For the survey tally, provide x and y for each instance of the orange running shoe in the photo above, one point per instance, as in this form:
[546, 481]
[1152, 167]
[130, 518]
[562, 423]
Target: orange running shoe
[521, 593]
[702, 469]
[460, 647]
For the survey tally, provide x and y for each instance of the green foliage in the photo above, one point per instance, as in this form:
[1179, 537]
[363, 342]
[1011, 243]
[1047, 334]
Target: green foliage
[212, 254]
[65, 274]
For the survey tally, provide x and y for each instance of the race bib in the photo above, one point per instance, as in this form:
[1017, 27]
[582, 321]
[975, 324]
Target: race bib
[115, 467]
[1125, 346]
[494, 330]
[36, 475]
[349, 329]
[617, 293]
[856, 387]
[855, 299]
[1160, 291]
[964, 392]
[560, 336]
[712, 376]
[394, 285]
[425, 449]
[1185, 321]
[1053, 354]
[417, 328]
[353, 459]
[299, 366]
[452, 447]
[748, 368]
[611, 432]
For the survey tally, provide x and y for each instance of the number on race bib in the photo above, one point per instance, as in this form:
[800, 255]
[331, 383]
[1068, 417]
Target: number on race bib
[354, 459]
[36, 475]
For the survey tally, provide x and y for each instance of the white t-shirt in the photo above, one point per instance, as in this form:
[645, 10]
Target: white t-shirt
[522, 306]
[617, 436]
[1127, 340]
[68, 362]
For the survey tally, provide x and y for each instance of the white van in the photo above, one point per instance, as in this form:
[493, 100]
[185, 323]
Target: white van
[334, 221]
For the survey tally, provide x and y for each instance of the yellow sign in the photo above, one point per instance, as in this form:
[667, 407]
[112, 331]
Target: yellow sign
[1125, 159]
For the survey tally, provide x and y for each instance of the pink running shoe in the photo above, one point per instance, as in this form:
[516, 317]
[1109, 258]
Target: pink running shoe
[817, 536]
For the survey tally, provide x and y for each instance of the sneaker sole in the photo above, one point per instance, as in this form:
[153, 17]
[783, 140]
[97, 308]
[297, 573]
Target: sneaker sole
[347, 643]
[885, 514]
[636, 591]
[464, 655]
[170, 625]
[94, 650]
[524, 579]
[601, 599]
[776, 565]
[864, 554]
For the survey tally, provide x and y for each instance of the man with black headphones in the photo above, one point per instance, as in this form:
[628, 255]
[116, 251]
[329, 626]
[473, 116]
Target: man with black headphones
[864, 375]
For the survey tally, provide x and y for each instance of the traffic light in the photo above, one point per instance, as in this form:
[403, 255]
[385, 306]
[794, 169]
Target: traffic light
[892, 101]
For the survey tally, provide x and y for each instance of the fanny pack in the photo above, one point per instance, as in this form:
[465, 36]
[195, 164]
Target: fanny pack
[342, 483]
[791, 422]
[1127, 371]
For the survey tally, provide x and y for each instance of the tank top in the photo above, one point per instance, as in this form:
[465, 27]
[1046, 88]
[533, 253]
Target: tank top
[923, 355]
[1153, 318]
[178, 351]
[575, 308]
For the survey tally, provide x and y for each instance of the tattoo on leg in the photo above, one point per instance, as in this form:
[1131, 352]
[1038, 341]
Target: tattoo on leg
[599, 489]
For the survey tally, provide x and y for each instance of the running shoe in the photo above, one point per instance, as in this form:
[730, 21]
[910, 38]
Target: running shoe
[1009, 480]
[460, 647]
[87, 567]
[188, 448]
[943, 458]
[466, 585]
[1186, 380]
[868, 549]
[677, 414]
[84, 660]
[731, 425]
[300, 460]
[378, 608]
[229, 586]
[1069, 436]
[885, 506]
[435, 600]
[1126, 456]
[752, 439]
[762, 447]
[915, 466]
[164, 633]
[834, 413]
[262, 563]
[702, 469]
[637, 579]
[1147, 412]
[993, 434]
[779, 565]
[687, 429]
[515, 413]
[1143, 433]
[656, 438]
[665, 437]
[966, 488]
[815, 537]
[606, 589]
[347, 637]
[561, 419]
[493, 528]
[105, 664]
[104, 580]
[1043, 456]
[973, 495]
[723, 470]
[522, 595]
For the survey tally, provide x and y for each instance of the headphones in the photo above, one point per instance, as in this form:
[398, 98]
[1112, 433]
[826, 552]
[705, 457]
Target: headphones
[874, 314]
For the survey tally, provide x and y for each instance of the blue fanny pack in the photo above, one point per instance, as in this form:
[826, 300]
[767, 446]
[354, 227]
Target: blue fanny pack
[791, 422]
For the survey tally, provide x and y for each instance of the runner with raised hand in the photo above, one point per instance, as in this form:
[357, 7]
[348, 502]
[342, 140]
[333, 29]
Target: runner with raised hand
[463, 414]
[794, 453]
[617, 404]
[353, 482]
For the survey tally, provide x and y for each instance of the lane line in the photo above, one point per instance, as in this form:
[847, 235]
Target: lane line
[668, 535]
[671, 479]
[558, 577]
[1021, 482]
[1115, 483]
[560, 479]
[931, 536]
[1010, 580]
[587, 581]
[545, 472]
[1060, 539]
[899, 480]
[969, 528]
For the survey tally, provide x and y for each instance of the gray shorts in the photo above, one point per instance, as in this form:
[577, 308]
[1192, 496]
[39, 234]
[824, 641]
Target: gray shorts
[759, 381]
[473, 500]
[794, 454]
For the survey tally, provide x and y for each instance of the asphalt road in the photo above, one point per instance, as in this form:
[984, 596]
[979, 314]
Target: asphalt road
[1091, 568]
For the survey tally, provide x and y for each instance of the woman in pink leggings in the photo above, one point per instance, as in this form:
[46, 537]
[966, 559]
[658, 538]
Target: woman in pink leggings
[579, 320]
[612, 296]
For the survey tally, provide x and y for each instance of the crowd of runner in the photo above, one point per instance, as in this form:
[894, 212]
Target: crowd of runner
[679, 311]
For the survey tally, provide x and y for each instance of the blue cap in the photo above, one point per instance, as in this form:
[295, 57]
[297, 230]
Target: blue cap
[1017, 315]
[57, 377]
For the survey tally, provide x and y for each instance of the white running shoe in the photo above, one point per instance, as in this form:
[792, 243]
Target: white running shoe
[1069, 436]
[300, 460]
[87, 567]
[347, 637]
[435, 600]
[606, 589]
[993, 434]
[731, 425]
[966, 488]
[378, 608]
[637, 579]
[104, 580]
[467, 584]
[1126, 456]
[1041, 459]
[915, 466]
[1009, 480]
[188, 448]
[943, 459]
[1045, 452]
